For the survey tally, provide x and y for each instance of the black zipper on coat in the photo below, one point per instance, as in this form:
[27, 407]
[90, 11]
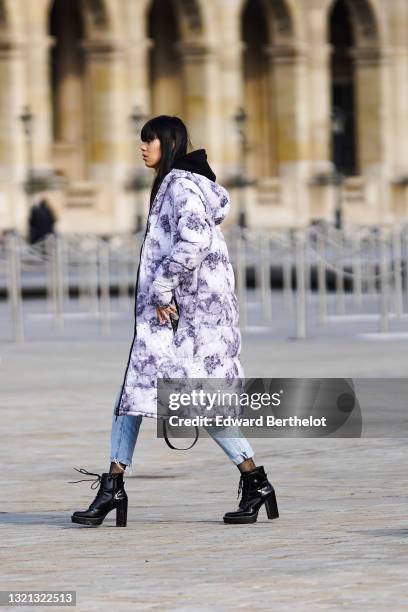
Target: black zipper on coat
[174, 323]
[136, 285]
[135, 328]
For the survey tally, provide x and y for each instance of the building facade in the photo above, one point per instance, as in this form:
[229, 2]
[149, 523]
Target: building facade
[323, 83]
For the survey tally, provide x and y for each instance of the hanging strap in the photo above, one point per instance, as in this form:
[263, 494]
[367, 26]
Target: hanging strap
[175, 447]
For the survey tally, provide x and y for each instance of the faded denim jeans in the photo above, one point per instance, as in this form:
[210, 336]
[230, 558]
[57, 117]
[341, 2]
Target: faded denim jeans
[125, 430]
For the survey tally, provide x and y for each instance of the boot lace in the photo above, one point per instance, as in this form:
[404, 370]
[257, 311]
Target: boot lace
[244, 486]
[95, 482]
[241, 480]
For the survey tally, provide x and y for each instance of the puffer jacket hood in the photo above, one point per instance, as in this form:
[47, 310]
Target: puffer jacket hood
[195, 166]
[195, 161]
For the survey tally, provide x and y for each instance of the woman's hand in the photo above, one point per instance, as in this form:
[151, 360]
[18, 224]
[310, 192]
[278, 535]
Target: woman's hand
[164, 312]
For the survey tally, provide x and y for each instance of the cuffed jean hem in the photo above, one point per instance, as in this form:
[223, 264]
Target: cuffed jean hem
[124, 433]
[232, 442]
[119, 461]
[239, 458]
[125, 430]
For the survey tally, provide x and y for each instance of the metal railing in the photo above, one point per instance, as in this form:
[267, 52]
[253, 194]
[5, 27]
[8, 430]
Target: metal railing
[367, 267]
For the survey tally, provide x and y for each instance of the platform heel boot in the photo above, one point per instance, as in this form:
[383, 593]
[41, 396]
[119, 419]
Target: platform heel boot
[256, 491]
[111, 495]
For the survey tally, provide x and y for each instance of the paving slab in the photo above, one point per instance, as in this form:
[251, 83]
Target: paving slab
[340, 542]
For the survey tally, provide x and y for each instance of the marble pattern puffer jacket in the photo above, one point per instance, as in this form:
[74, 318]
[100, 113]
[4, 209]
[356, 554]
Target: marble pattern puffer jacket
[184, 254]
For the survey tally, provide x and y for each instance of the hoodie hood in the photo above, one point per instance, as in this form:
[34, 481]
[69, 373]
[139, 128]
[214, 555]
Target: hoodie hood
[195, 161]
[194, 166]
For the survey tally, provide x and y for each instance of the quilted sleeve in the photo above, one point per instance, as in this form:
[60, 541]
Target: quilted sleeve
[192, 241]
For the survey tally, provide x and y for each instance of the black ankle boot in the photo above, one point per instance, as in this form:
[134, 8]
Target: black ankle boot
[256, 490]
[111, 495]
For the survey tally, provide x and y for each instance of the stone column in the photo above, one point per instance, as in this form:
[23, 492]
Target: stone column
[13, 203]
[399, 112]
[12, 100]
[289, 81]
[107, 110]
[287, 76]
[138, 46]
[69, 87]
[369, 108]
[200, 94]
[397, 85]
[399, 131]
[322, 194]
[40, 102]
[319, 102]
[232, 97]
[39, 99]
[138, 74]
[372, 119]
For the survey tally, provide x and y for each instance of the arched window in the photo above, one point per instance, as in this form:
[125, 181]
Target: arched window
[258, 93]
[356, 87]
[342, 90]
[165, 74]
[67, 77]
[270, 87]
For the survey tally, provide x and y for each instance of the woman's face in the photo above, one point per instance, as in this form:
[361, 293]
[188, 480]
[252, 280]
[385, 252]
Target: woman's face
[151, 152]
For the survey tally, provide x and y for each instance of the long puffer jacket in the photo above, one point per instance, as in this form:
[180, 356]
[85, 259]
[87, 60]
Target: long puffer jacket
[184, 255]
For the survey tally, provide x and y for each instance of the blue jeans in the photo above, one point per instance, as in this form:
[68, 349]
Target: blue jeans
[125, 430]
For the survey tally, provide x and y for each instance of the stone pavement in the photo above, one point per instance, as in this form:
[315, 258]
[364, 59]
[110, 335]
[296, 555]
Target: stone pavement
[340, 542]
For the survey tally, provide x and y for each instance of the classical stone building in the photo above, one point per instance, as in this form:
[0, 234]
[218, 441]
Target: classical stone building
[324, 86]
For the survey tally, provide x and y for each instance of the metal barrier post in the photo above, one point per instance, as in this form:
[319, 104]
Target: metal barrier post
[103, 252]
[372, 270]
[404, 243]
[308, 270]
[83, 295]
[340, 305]
[241, 278]
[287, 272]
[93, 277]
[14, 286]
[300, 287]
[123, 277]
[49, 276]
[59, 283]
[356, 267]
[321, 280]
[384, 294]
[265, 278]
[397, 272]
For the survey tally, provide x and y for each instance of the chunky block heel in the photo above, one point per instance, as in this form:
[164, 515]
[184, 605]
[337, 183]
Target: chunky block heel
[256, 491]
[121, 513]
[271, 507]
[111, 495]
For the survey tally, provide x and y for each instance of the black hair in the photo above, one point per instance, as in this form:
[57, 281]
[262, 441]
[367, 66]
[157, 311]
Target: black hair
[168, 130]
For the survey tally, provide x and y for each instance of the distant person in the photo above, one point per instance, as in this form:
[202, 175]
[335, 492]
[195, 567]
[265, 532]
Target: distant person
[41, 221]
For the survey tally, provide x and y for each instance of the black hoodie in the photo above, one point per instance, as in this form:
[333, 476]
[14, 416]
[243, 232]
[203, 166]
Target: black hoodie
[195, 161]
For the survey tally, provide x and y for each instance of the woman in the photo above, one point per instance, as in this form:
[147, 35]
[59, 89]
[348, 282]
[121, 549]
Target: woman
[184, 273]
